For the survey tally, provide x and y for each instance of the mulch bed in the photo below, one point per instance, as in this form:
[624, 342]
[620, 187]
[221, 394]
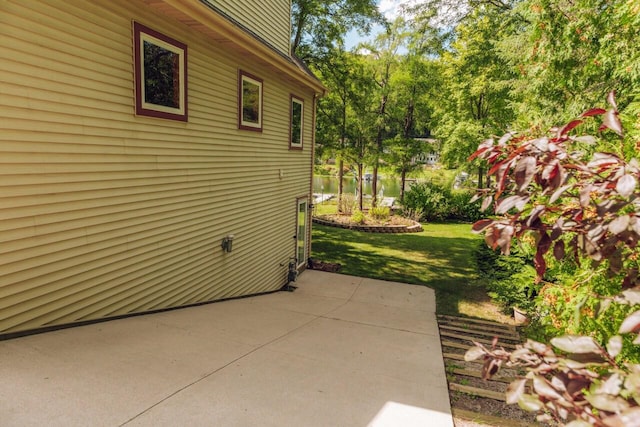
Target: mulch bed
[394, 224]
[324, 266]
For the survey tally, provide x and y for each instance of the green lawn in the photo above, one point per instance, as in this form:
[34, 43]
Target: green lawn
[440, 257]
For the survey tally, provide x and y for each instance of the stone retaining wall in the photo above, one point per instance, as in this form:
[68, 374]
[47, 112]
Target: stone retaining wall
[415, 228]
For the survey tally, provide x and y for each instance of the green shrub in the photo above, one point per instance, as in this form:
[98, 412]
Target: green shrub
[438, 203]
[509, 279]
[462, 209]
[430, 198]
[358, 217]
[413, 214]
[380, 213]
[347, 203]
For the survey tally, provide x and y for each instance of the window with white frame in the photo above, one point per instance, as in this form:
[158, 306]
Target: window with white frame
[297, 116]
[249, 102]
[160, 74]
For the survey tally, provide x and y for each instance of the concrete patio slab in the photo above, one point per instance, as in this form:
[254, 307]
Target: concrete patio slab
[339, 351]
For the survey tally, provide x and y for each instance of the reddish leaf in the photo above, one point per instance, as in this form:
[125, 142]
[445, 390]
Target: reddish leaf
[556, 195]
[505, 138]
[507, 203]
[521, 203]
[541, 144]
[558, 176]
[478, 152]
[504, 238]
[540, 264]
[619, 224]
[503, 179]
[628, 418]
[568, 127]
[587, 139]
[577, 385]
[593, 112]
[515, 390]
[496, 168]
[608, 403]
[530, 403]
[615, 259]
[544, 244]
[631, 323]
[632, 295]
[575, 344]
[473, 353]
[579, 423]
[535, 213]
[490, 368]
[614, 345]
[484, 146]
[601, 160]
[550, 170]
[595, 232]
[611, 99]
[524, 171]
[490, 238]
[626, 185]
[612, 121]
[558, 250]
[613, 384]
[585, 195]
[481, 225]
[544, 389]
[486, 203]
[630, 279]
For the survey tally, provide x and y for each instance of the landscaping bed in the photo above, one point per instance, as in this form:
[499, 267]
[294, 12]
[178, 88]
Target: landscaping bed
[392, 224]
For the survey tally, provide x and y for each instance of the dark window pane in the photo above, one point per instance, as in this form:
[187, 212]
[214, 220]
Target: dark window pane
[250, 102]
[161, 76]
[296, 123]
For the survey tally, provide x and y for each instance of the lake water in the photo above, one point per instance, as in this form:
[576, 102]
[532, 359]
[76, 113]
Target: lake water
[327, 184]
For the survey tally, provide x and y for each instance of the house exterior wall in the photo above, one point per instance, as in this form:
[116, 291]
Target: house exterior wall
[263, 17]
[105, 213]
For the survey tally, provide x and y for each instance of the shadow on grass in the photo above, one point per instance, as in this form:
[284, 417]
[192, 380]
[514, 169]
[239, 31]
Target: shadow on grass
[441, 257]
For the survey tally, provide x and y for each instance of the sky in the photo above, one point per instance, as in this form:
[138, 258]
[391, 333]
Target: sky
[390, 9]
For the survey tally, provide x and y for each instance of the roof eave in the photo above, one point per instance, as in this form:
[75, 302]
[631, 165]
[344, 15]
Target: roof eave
[202, 17]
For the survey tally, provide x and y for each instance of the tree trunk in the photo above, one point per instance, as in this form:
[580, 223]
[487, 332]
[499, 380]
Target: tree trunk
[379, 149]
[340, 185]
[403, 179]
[360, 170]
[480, 175]
[298, 29]
[343, 136]
[374, 186]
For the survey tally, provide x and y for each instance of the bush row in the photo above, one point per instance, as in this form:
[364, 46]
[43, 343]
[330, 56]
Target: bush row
[430, 201]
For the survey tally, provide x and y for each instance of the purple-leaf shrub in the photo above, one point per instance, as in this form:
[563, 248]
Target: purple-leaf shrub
[544, 187]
